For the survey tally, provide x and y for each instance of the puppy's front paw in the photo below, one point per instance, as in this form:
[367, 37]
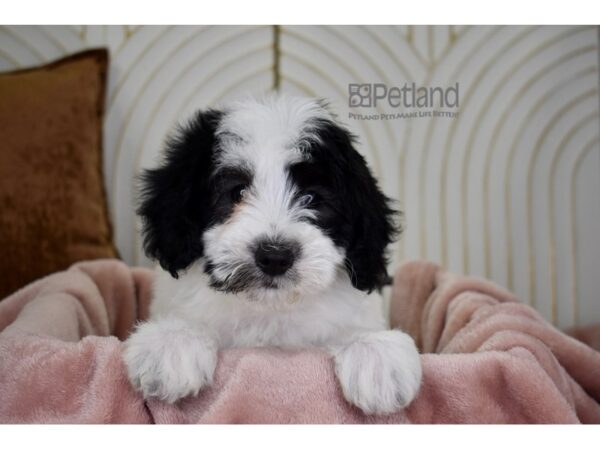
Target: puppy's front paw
[380, 372]
[168, 360]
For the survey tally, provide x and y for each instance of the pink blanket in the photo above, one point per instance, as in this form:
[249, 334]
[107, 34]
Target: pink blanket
[486, 359]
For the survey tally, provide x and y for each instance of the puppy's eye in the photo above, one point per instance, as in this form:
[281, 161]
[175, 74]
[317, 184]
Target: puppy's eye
[238, 192]
[308, 199]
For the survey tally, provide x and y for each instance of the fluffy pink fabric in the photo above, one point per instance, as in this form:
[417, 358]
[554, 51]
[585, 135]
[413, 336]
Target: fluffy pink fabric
[486, 359]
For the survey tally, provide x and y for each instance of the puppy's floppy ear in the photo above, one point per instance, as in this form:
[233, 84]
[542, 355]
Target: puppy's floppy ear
[175, 196]
[370, 219]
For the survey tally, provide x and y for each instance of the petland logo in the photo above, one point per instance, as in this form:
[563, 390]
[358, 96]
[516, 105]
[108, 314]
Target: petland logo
[415, 101]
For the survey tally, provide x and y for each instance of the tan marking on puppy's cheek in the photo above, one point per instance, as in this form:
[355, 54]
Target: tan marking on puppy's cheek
[233, 217]
[235, 213]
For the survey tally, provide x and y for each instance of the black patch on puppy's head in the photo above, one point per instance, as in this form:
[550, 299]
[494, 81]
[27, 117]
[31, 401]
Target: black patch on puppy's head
[175, 197]
[350, 208]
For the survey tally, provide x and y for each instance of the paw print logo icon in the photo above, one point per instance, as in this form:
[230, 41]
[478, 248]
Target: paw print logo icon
[359, 95]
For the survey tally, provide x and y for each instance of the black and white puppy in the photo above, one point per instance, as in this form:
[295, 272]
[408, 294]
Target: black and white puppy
[270, 230]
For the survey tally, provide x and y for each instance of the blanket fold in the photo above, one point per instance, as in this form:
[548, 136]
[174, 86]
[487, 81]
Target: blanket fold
[486, 359]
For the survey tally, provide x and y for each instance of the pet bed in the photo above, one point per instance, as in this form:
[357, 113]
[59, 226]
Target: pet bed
[486, 359]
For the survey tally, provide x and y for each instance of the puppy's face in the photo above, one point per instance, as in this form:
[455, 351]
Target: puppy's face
[273, 200]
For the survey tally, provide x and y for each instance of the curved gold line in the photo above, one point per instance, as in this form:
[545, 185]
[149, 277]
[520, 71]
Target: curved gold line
[407, 135]
[186, 69]
[276, 55]
[573, 215]
[85, 33]
[24, 43]
[91, 30]
[529, 201]
[451, 34]
[484, 111]
[133, 64]
[445, 54]
[130, 30]
[323, 75]
[430, 50]
[455, 34]
[141, 91]
[467, 154]
[117, 149]
[515, 99]
[51, 38]
[127, 119]
[402, 150]
[507, 220]
[336, 87]
[124, 41]
[315, 69]
[551, 209]
[409, 38]
[10, 59]
[229, 87]
[510, 159]
[212, 75]
[507, 201]
[394, 58]
[425, 157]
[403, 153]
[376, 67]
[449, 42]
[425, 154]
[77, 35]
[466, 158]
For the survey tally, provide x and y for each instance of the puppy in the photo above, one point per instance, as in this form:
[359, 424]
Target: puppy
[270, 230]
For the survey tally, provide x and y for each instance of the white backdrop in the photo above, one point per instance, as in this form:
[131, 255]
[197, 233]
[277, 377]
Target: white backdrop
[509, 190]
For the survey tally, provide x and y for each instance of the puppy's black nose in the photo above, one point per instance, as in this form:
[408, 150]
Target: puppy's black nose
[274, 258]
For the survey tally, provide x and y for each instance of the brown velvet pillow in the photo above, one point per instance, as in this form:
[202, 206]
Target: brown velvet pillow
[53, 208]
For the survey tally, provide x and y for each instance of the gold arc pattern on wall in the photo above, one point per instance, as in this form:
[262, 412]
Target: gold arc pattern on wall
[527, 98]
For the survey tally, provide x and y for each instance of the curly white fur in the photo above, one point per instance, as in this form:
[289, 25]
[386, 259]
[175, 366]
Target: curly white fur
[174, 354]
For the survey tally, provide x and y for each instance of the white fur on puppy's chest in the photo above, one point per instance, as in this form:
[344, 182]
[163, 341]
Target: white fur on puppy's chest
[318, 320]
[174, 354]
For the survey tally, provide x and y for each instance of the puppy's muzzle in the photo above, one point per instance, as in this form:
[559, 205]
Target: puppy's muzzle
[275, 257]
